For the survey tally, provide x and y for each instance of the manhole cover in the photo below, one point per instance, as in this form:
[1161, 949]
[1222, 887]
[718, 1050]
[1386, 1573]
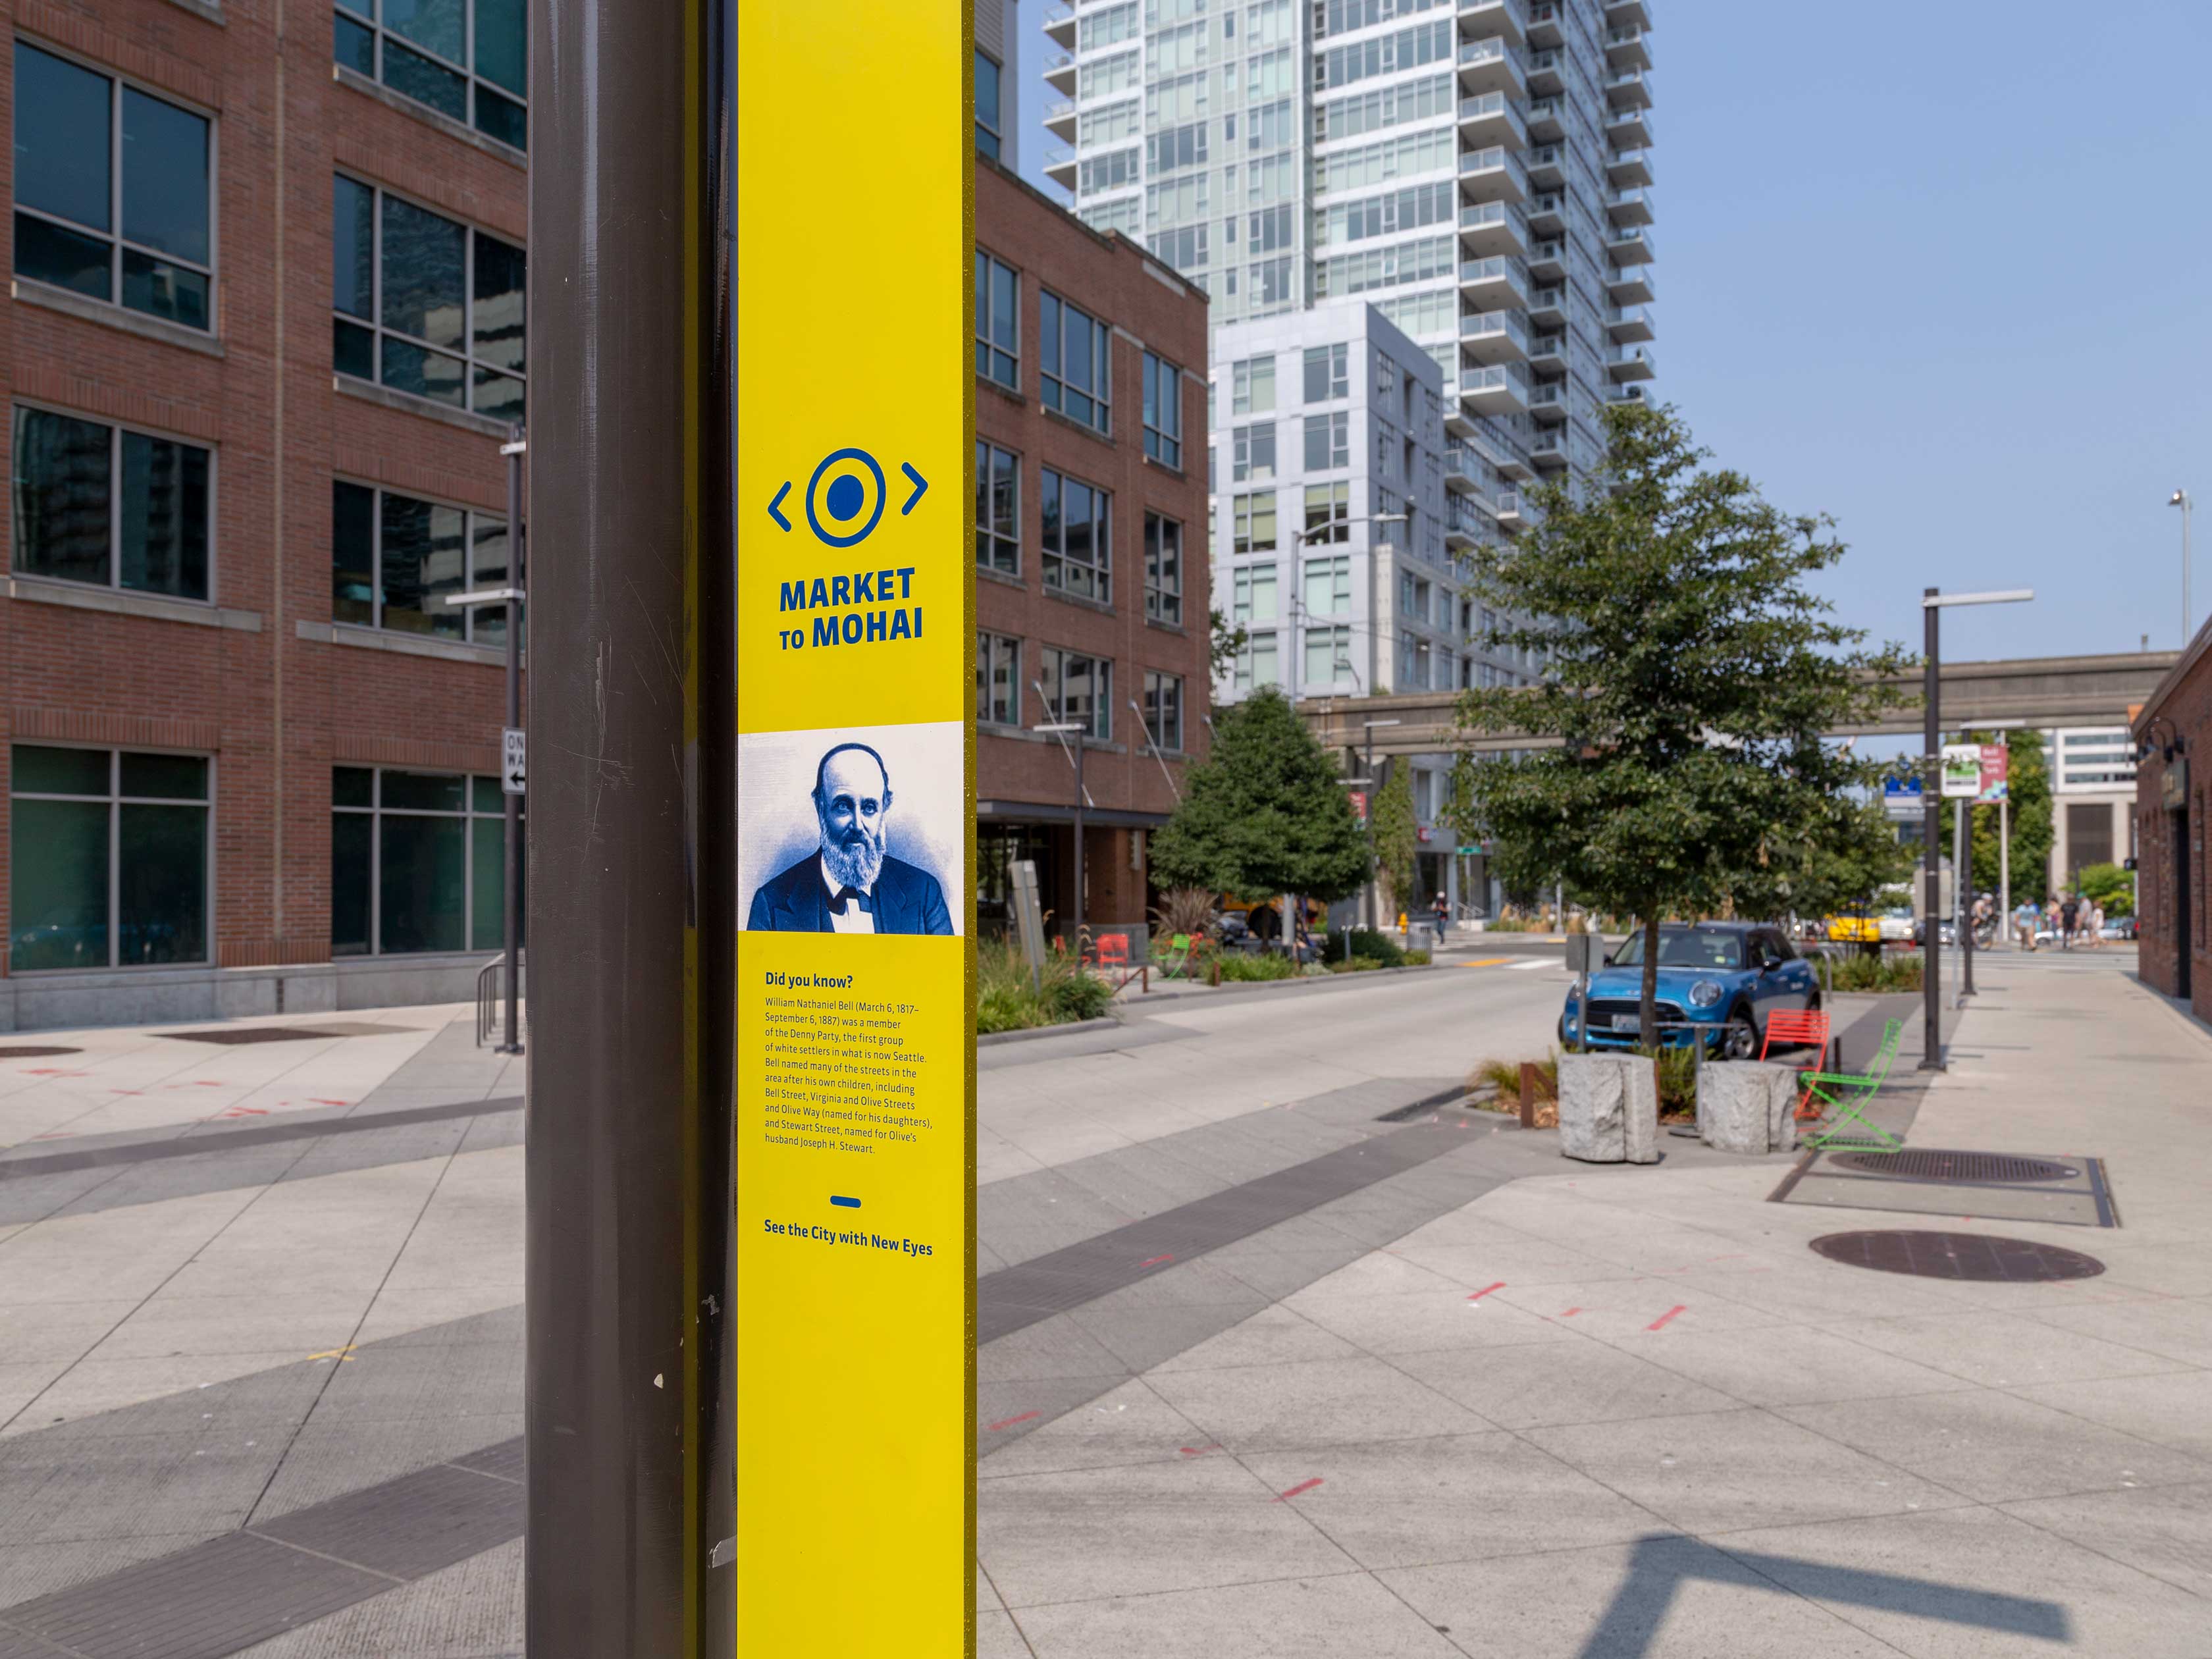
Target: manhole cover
[1957, 1255]
[1926, 1163]
[30, 1051]
[255, 1034]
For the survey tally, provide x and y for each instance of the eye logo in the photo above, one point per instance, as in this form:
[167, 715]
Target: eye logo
[845, 497]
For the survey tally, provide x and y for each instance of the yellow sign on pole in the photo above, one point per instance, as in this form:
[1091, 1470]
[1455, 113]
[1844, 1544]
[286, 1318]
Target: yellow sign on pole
[853, 280]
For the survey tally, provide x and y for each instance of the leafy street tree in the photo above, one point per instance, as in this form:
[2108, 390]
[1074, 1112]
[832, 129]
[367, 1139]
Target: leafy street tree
[1690, 676]
[2032, 832]
[1843, 854]
[1223, 641]
[1397, 838]
[2109, 886]
[1265, 813]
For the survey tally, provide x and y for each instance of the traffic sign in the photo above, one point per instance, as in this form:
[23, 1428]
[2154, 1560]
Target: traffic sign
[511, 758]
[1902, 799]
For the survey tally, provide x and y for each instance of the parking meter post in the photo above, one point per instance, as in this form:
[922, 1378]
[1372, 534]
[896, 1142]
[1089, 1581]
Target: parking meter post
[630, 1457]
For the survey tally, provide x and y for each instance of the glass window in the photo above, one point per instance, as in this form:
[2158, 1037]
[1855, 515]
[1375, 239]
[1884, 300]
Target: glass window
[1252, 386]
[1079, 689]
[997, 509]
[1328, 372]
[1078, 551]
[112, 191]
[1253, 594]
[1329, 512]
[1078, 370]
[1328, 441]
[1328, 656]
[1163, 569]
[467, 59]
[1162, 411]
[418, 862]
[1256, 663]
[395, 559]
[998, 322]
[1254, 530]
[988, 128]
[105, 505]
[1328, 586]
[1252, 453]
[997, 679]
[108, 859]
[424, 304]
[1163, 709]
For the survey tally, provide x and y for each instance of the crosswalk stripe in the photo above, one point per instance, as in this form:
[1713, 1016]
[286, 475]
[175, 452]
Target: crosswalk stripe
[1534, 962]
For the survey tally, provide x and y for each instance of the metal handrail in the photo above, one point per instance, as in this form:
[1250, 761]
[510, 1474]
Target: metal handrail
[490, 992]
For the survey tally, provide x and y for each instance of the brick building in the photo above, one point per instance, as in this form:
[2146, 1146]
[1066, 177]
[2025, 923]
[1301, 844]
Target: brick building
[264, 340]
[2174, 810]
[1091, 598]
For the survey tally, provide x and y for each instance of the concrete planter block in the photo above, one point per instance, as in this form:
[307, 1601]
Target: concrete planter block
[1735, 1103]
[1783, 1091]
[1608, 1109]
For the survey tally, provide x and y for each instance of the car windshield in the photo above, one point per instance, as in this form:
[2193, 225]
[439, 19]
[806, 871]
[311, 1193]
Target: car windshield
[1686, 947]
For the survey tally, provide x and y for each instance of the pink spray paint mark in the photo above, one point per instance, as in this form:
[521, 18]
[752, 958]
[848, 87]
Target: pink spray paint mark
[1486, 1290]
[1303, 1485]
[1664, 1317]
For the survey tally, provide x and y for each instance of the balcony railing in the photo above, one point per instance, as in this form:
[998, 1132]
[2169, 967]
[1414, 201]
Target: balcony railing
[1485, 214]
[1498, 267]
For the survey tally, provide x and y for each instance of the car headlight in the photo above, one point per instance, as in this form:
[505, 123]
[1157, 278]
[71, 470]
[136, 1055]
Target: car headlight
[1704, 994]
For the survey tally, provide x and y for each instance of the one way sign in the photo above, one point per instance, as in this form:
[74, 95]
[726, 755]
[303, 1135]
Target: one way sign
[511, 766]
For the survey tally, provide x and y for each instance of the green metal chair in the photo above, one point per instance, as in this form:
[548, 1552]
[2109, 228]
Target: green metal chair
[1174, 962]
[1841, 1094]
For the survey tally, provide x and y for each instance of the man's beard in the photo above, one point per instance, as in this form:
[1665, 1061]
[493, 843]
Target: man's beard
[855, 860]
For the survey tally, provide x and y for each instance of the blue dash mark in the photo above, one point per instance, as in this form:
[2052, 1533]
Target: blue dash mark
[845, 1203]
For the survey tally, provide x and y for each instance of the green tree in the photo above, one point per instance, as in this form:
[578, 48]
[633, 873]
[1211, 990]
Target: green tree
[1265, 813]
[2110, 886]
[1397, 838]
[1691, 675]
[1225, 642]
[1842, 854]
[2029, 791]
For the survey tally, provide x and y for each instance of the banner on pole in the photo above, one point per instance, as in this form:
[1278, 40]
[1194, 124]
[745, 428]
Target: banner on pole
[1995, 775]
[1962, 770]
[855, 1150]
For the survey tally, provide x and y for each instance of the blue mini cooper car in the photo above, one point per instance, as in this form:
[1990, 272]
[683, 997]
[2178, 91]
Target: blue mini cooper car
[1718, 980]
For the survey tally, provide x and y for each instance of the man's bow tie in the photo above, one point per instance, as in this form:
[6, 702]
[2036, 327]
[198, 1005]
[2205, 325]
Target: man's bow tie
[852, 895]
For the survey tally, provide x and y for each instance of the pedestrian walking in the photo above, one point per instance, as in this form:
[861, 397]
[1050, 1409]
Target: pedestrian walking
[2023, 923]
[2069, 916]
[2093, 925]
[1442, 910]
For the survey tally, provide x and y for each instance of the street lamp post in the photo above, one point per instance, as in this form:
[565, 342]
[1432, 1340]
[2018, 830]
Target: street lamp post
[1373, 899]
[1932, 601]
[512, 770]
[2180, 499]
[1062, 729]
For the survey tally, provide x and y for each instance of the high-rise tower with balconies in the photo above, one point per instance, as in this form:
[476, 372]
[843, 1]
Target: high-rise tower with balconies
[1477, 170]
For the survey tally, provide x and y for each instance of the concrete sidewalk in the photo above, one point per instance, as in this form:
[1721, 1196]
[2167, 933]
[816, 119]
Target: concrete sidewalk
[1625, 1412]
[1425, 1389]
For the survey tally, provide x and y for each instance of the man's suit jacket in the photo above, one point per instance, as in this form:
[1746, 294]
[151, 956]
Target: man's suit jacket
[796, 900]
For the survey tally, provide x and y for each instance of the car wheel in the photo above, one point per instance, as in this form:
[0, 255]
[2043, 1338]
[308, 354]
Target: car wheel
[1740, 1040]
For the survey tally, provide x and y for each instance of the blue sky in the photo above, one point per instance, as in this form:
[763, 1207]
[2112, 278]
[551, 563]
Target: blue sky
[1944, 276]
